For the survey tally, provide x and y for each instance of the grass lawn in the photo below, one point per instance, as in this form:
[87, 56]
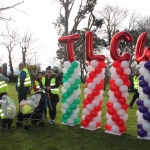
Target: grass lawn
[61, 137]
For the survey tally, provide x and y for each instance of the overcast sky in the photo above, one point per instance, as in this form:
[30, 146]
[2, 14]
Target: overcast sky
[39, 17]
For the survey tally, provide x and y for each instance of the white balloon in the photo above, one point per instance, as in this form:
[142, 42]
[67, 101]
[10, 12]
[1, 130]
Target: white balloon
[126, 94]
[89, 107]
[99, 113]
[87, 91]
[64, 70]
[110, 122]
[91, 86]
[115, 76]
[115, 129]
[75, 75]
[148, 134]
[90, 68]
[67, 64]
[94, 63]
[110, 93]
[124, 64]
[74, 96]
[92, 125]
[127, 71]
[118, 82]
[112, 99]
[66, 85]
[95, 103]
[63, 90]
[63, 110]
[76, 110]
[141, 120]
[83, 117]
[116, 106]
[143, 71]
[97, 119]
[146, 126]
[71, 81]
[147, 78]
[103, 70]
[123, 88]
[78, 91]
[125, 117]
[121, 112]
[96, 80]
[113, 70]
[70, 121]
[146, 103]
[140, 90]
[77, 70]
[85, 112]
[108, 116]
[101, 76]
[143, 96]
[141, 64]
[65, 106]
[69, 100]
[138, 113]
[73, 116]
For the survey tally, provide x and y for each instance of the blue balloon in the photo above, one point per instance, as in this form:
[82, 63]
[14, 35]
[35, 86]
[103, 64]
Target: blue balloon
[146, 89]
[147, 65]
[143, 109]
[141, 77]
[139, 102]
[142, 133]
[143, 83]
[139, 126]
[146, 116]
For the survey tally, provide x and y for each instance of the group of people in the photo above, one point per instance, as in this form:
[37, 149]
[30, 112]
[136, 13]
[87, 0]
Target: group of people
[47, 82]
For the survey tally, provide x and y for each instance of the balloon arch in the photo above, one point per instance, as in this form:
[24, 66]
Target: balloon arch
[119, 82]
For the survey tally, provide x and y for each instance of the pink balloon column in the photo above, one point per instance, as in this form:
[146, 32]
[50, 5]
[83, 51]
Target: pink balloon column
[71, 84]
[143, 112]
[92, 103]
[117, 105]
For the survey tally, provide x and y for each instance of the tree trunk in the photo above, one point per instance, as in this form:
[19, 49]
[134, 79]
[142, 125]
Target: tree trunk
[10, 64]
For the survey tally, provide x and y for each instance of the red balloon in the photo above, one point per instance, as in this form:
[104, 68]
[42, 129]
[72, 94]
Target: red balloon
[98, 70]
[93, 113]
[120, 123]
[95, 92]
[98, 124]
[102, 82]
[84, 123]
[99, 86]
[122, 100]
[86, 102]
[115, 117]
[88, 80]
[102, 64]
[92, 74]
[100, 103]
[109, 105]
[142, 54]
[114, 45]
[111, 81]
[122, 129]
[107, 127]
[88, 118]
[90, 97]
[89, 48]
[111, 111]
[116, 64]
[125, 107]
[114, 87]
[124, 77]
[69, 39]
[120, 71]
[127, 83]
[98, 108]
[118, 94]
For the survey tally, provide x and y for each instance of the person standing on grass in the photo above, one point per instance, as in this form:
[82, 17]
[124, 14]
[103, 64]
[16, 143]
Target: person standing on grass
[51, 84]
[136, 86]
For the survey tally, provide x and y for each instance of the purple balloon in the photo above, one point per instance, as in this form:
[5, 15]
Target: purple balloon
[139, 102]
[146, 89]
[146, 116]
[139, 126]
[141, 77]
[142, 133]
[143, 83]
[147, 65]
[143, 109]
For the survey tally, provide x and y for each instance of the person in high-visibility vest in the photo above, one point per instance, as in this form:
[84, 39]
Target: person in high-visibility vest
[51, 85]
[136, 86]
[3, 91]
[38, 82]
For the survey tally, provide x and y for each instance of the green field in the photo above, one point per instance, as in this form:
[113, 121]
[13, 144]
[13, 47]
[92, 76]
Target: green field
[61, 137]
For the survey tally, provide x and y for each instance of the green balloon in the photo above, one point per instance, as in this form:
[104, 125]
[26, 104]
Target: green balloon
[70, 91]
[74, 86]
[63, 120]
[67, 76]
[69, 111]
[78, 81]
[76, 121]
[64, 80]
[63, 100]
[65, 116]
[74, 64]
[77, 101]
[73, 106]
[70, 70]
[65, 95]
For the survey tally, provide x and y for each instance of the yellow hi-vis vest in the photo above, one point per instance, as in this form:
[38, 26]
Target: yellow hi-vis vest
[52, 82]
[136, 82]
[37, 84]
[27, 81]
[3, 87]
[1, 113]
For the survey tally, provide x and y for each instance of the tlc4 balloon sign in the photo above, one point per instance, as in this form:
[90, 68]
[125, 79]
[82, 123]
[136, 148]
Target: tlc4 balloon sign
[93, 93]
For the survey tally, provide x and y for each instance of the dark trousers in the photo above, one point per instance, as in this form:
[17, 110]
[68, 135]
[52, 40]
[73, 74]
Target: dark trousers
[135, 96]
[22, 95]
[6, 122]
